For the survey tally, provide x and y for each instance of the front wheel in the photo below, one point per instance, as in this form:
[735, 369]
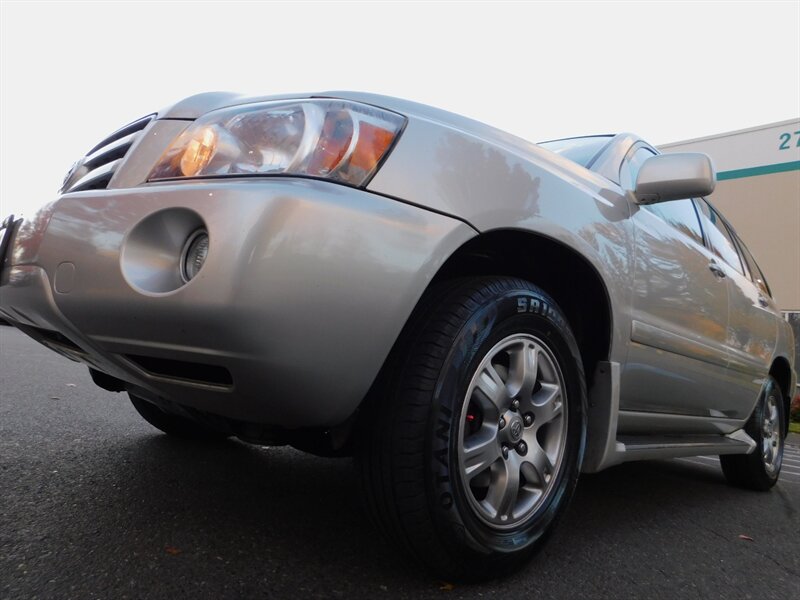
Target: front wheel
[473, 453]
[760, 469]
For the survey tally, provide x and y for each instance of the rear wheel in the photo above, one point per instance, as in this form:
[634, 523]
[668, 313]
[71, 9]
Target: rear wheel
[472, 454]
[174, 425]
[760, 469]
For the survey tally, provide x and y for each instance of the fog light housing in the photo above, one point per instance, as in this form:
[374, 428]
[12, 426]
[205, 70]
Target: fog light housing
[194, 255]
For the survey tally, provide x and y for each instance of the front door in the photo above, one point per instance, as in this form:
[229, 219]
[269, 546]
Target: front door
[680, 317]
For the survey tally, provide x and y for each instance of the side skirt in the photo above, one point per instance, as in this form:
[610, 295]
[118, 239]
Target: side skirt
[606, 447]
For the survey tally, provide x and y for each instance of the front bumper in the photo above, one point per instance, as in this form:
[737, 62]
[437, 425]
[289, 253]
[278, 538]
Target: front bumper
[305, 289]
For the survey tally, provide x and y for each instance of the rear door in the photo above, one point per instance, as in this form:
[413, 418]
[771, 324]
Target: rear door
[752, 325]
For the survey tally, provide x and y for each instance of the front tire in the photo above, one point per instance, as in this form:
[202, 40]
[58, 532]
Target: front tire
[760, 469]
[473, 453]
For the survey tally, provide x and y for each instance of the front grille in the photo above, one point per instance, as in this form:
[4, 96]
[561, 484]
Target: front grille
[95, 170]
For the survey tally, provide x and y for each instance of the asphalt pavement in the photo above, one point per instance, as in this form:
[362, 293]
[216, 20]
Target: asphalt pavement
[95, 503]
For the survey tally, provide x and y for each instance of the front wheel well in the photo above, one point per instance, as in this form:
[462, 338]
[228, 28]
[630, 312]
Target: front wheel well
[562, 272]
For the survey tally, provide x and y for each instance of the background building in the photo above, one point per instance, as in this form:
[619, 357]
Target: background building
[758, 191]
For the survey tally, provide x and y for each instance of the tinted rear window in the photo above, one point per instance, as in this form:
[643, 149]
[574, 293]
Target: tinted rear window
[580, 150]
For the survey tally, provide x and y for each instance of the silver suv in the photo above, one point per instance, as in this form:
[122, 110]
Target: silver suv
[476, 318]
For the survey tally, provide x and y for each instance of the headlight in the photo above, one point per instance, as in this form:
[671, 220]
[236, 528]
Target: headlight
[331, 139]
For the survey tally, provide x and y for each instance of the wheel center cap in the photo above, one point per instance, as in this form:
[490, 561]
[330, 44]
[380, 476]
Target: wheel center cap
[515, 429]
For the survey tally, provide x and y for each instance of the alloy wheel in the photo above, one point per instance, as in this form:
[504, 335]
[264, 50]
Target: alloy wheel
[513, 432]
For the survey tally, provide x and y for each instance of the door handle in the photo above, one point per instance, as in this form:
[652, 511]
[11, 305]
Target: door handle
[716, 269]
[762, 300]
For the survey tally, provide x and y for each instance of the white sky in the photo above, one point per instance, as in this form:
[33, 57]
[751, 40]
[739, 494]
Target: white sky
[70, 73]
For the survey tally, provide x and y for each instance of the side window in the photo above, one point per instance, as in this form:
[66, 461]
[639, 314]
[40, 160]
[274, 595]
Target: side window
[630, 167]
[718, 236]
[756, 275]
[681, 215]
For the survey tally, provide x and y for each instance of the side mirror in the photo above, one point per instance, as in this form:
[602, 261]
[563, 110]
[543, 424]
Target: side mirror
[674, 177]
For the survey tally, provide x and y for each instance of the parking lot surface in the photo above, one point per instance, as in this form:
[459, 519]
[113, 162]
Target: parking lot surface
[95, 503]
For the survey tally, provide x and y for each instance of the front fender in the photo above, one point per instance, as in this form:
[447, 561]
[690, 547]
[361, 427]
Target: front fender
[504, 183]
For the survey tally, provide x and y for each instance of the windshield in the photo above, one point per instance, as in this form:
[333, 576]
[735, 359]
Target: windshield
[581, 150]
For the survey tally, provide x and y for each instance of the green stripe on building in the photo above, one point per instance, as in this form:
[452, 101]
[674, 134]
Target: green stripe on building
[765, 170]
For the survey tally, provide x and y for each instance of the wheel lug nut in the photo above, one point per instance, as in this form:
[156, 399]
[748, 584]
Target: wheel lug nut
[528, 419]
[515, 405]
[502, 422]
[522, 448]
[504, 450]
